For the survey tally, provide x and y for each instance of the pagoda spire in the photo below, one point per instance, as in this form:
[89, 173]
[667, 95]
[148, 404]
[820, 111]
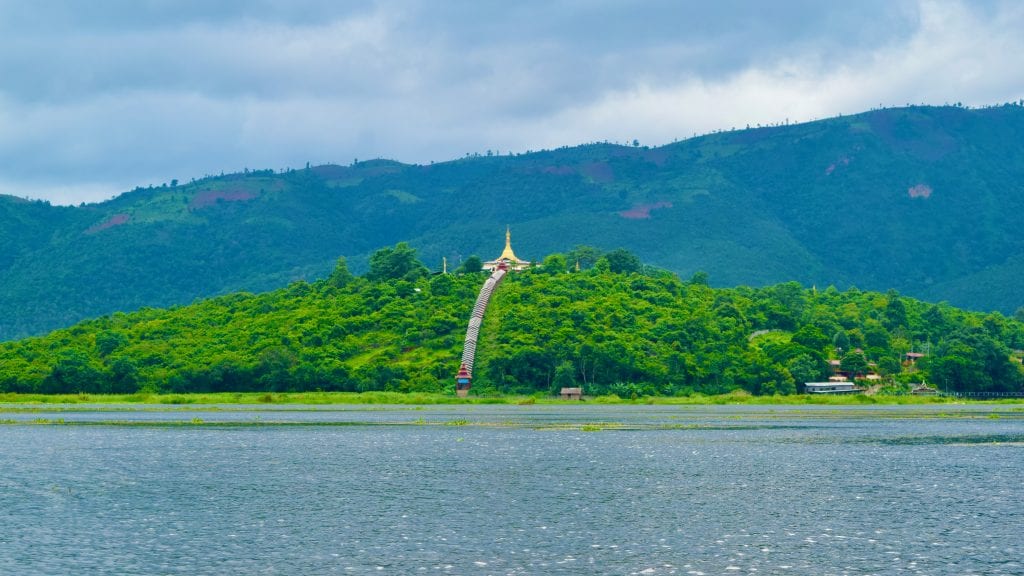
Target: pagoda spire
[507, 252]
[508, 259]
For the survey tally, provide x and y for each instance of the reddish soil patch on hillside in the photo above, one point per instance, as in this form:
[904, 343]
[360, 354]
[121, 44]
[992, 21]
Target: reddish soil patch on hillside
[558, 170]
[599, 172]
[656, 156]
[913, 132]
[643, 211]
[920, 191]
[211, 197]
[844, 161]
[115, 220]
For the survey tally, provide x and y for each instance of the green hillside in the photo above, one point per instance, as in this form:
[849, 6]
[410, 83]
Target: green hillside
[617, 328]
[924, 200]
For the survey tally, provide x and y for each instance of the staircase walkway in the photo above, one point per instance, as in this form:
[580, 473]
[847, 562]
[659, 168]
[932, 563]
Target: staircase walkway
[473, 330]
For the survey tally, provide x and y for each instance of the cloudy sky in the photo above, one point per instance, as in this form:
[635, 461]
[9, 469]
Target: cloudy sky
[99, 97]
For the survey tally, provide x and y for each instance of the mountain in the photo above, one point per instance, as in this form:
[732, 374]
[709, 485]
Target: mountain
[616, 328]
[923, 200]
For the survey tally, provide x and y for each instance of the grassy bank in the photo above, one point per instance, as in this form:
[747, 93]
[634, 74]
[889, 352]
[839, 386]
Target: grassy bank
[327, 398]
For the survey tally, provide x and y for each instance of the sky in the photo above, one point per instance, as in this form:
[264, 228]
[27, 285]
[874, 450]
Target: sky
[99, 97]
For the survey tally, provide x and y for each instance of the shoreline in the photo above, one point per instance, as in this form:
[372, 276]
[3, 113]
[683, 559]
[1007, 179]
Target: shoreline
[423, 399]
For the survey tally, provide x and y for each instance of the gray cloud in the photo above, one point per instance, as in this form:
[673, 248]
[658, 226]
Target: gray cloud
[107, 95]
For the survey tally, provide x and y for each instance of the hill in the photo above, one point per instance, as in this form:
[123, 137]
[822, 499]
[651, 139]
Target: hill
[923, 200]
[617, 328]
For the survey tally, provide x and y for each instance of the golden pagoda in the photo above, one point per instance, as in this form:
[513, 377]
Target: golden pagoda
[508, 259]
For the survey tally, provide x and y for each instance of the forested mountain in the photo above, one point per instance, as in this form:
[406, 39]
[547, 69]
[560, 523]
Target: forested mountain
[924, 200]
[617, 328]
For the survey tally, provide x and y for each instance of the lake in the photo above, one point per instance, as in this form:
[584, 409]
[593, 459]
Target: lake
[497, 489]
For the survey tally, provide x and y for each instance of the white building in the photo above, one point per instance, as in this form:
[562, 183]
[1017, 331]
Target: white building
[831, 388]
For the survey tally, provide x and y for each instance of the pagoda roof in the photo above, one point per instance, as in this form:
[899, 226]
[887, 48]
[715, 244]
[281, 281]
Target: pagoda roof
[507, 255]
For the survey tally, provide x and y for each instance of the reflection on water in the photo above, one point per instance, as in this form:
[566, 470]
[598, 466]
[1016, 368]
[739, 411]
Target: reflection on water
[514, 490]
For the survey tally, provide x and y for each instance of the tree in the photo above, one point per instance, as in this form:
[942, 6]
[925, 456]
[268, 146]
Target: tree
[756, 373]
[895, 311]
[565, 376]
[790, 295]
[875, 335]
[971, 360]
[554, 264]
[805, 368]
[124, 376]
[394, 263]
[586, 256]
[855, 363]
[107, 341]
[841, 341]
[273, 370]
[340, 277]
[889, 365]
[441, 285]
[471, 265]
[812, 337]
[74, 371]
[622, 261]
[936, 321]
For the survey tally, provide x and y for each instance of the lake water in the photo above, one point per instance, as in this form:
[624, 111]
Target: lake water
[513, 490]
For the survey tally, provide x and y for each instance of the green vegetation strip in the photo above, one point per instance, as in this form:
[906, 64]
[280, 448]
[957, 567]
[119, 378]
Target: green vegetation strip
[426, 399]
[616, 328]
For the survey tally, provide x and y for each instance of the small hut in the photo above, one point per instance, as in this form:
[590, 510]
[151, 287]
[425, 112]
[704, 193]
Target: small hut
[571, 393]
[923, 389]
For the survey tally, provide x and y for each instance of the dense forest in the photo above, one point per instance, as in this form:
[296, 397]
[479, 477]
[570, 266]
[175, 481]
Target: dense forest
[924, 200]
[615, 326]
